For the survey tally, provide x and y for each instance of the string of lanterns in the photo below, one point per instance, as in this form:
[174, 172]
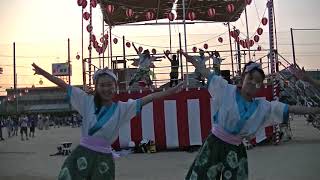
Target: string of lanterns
[150, 15]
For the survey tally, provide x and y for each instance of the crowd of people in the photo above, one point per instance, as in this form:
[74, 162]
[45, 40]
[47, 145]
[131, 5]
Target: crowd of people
[27, 123]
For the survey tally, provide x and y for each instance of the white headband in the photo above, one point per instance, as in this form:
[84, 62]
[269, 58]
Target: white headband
[252, 66]
[101, 72]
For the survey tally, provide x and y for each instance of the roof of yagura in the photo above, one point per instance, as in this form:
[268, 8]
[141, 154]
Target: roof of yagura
[161, 8]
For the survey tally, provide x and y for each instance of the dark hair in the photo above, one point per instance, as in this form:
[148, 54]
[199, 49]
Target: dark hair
[252, 70]
[174, 57]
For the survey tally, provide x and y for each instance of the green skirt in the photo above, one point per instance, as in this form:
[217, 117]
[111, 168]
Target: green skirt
[85, 164]
[217, 159]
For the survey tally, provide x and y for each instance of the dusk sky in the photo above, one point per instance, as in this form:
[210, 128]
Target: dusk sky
[41, 28]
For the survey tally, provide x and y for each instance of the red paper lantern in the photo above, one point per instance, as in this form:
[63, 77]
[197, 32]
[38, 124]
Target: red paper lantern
[237, 33]
[154, 51]
[260, 31]
[86, 16]
[248, 2]
[140, 49]
[232, 34]
[191, 15]
[77, 56]
[237, 39]
[93, 38]
[211, 12]
[259, 48]
[264, 21]
[79, 2]
[194, 49]
[95, 44]
[241, 42]
[220, 39]
[230, 8]
[128, 44]
[251, 43]
[129, 12]
[84, 4]
[115, 40]
[247, 43]
[93, 3]
[110, 8]
[205, 46]
[149, 15]
[89, 28]
[256, 38]
[102, 39]
[171, 16]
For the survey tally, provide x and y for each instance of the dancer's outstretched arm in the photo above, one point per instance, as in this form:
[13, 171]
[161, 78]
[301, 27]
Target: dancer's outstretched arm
[145, 100]
[205, 72]
[50, 77]
[135, 48]
[304, 110]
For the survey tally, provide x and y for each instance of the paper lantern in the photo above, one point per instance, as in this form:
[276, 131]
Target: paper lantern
[237, 33]
[256, 38]
[140, 49]
[191, 15]
[128, 44]
[260, 31]
[102, 39]
[194, 49]
[211, 12]
[92, 38]
[95, 44]
[106, 36]
[248, 2]
[230, 8]
[232, 34]
[237, 39]
[110, 8]
[84, 4]
[93, 3]
[241, 42]
[251, 43]
[220, 39]
[79, 2]
[149, 15]
[259, 48]
[86, 16]
[171, 16]
[77, 56]
[129, 12]
[154, 51]
[89, 28]
[205, 46]
[115, 40]
[264, 21]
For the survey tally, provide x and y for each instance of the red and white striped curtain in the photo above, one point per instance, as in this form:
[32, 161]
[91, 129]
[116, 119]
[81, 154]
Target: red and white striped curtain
[178, 121]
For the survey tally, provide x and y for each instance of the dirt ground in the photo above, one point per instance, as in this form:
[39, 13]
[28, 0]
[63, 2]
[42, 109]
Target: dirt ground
[295, 160]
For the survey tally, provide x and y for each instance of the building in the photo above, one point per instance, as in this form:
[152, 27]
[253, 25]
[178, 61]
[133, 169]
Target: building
[35, 100]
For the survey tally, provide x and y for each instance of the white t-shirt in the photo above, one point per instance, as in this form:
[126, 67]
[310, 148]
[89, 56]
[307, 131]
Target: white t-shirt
[110, 119]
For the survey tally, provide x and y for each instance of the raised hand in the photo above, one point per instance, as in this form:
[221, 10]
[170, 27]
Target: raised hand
[37, 69]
